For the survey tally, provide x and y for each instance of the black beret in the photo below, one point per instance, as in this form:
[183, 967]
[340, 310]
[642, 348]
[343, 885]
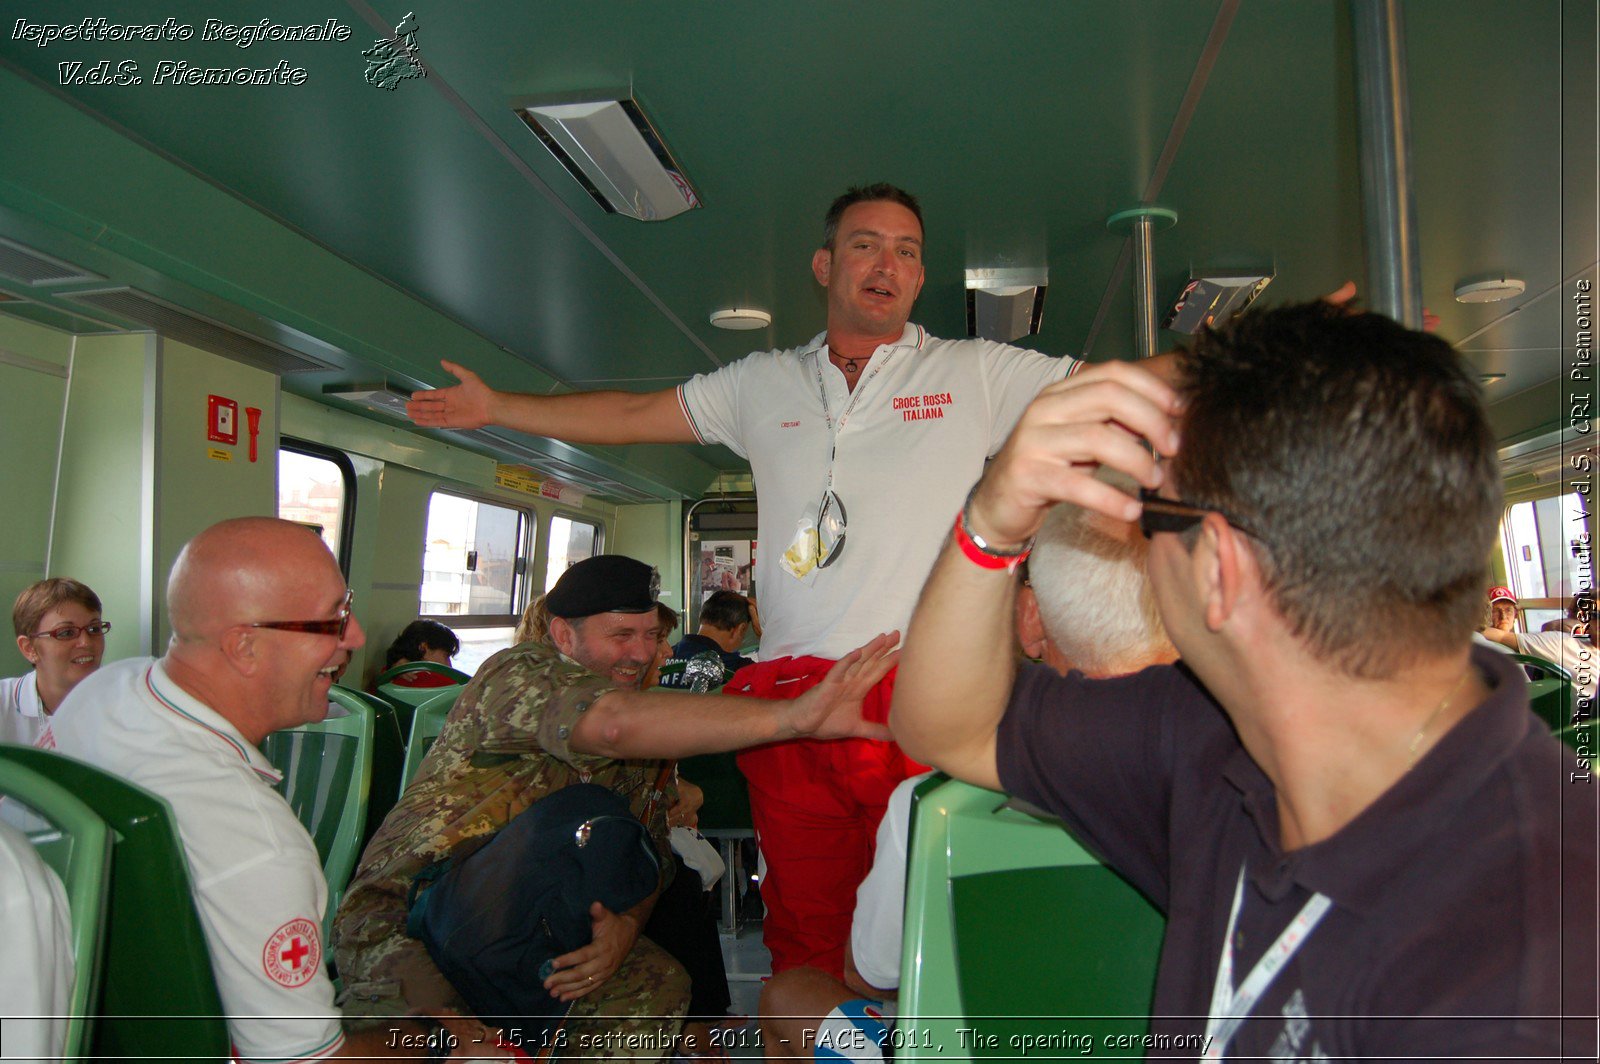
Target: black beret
[606, 583]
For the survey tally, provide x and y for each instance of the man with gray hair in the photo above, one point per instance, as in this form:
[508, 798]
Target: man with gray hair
[1086, 603]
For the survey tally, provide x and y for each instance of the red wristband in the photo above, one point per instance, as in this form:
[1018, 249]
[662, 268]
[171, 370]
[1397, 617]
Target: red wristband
[984, 556]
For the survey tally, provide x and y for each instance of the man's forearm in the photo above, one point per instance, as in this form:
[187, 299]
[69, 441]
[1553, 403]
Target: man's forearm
[596, 417]
[659, 724]
[957, 668]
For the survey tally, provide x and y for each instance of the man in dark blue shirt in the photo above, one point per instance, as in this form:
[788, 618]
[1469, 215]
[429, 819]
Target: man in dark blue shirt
[711, 655]
[1365, 845]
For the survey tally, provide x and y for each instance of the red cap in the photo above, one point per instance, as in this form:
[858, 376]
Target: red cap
[1498, 594]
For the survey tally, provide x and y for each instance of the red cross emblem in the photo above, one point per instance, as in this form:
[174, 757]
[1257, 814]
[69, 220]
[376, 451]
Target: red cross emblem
[293, 953]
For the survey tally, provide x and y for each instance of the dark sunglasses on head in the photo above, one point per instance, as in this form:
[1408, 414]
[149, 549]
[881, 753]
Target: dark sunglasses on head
[1175, 515]
[68, 632]
[332, 626]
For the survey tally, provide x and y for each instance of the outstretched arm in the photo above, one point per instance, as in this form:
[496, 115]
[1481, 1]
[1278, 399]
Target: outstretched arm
[669, 724]
[578, 417]
[949, 695]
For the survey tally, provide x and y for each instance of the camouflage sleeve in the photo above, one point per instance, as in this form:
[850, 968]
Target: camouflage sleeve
[531, 702]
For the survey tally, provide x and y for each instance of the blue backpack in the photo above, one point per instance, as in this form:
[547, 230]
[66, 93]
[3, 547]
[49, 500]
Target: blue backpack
[494, 920]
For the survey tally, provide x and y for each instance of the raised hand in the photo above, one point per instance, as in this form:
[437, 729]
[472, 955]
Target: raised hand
[1097, 417]
[468, 405]
[832, 709]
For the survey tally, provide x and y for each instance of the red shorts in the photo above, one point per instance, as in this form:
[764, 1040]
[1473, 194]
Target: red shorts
[816, 806]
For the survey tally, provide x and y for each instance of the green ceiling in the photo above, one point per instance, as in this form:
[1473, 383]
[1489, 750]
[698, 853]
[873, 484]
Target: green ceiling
[379, 230]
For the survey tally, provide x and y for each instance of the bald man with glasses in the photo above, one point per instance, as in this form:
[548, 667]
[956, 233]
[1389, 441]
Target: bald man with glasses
[261, 622]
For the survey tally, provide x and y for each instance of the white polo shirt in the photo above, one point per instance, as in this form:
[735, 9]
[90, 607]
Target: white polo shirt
[22, 717]
[904, 449]
[877, 926]
[36, 976]
[1577, 656]
[24, 722]
[257, 881]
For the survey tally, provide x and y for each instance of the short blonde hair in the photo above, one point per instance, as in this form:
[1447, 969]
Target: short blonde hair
[535, 623]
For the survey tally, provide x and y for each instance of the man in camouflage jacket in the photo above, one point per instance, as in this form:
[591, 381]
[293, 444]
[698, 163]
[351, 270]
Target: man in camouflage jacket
[531, 722]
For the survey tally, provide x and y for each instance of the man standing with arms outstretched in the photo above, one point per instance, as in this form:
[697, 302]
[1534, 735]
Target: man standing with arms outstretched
[862, 443]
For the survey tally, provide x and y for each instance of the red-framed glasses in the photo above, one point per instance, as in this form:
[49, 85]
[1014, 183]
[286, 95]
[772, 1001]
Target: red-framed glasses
[332, 626]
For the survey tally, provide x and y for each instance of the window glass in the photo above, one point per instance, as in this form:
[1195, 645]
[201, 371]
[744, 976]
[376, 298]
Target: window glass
[314, 491]
[1542, 541]
[570, 541]
[472, 557]
[480, 644]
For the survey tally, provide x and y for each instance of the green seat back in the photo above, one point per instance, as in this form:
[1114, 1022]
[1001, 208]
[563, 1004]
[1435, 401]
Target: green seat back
[327, 776]
[408, 699]
[158, 999]
[1551, 700]
[388, 757]
[77, 847]
[1012, 928]
[1549, 690]
[425, 729]
[1540, 668]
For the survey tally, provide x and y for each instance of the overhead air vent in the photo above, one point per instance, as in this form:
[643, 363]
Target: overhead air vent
[195, 330]
[379, 395]
[577, 476]
[39, 314]
[22, 263]
[1006, 304]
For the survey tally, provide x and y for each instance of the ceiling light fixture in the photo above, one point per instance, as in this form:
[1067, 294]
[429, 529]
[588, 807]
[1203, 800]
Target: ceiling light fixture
[741, 319]
[1489, 291]
[609, 145]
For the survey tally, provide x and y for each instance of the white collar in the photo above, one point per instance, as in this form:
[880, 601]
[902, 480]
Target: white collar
[29, 701]
[193, 711]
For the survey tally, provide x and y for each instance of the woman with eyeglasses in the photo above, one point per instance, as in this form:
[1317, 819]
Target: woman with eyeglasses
[60, 632]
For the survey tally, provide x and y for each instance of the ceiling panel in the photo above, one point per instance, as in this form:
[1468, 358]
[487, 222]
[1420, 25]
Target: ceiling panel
[1022, 126]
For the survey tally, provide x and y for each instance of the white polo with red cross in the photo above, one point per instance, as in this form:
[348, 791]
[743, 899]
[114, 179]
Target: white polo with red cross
[257, 881]
[903, 450]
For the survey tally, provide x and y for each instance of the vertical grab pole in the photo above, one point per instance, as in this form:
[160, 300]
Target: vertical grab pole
[1140, 223]
[1144, 289]
[1389, 211]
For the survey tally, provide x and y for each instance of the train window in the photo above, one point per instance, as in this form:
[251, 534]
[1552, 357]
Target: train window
[571, 541]
[473, 559]
[317, 488]
[1542, 541]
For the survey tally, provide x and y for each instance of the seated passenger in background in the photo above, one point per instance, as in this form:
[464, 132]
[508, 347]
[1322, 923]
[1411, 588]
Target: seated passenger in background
[60, 632]
[711, 655]
[260, 620]
[1500, 622]
[1085, 604]
[1570, 646]
[36, 975]
[422, 641]
[668, 618]
[1379, 792]
[534, 720]
[535, 622]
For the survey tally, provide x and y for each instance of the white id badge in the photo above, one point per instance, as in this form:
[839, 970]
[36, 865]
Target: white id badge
[800, 559]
